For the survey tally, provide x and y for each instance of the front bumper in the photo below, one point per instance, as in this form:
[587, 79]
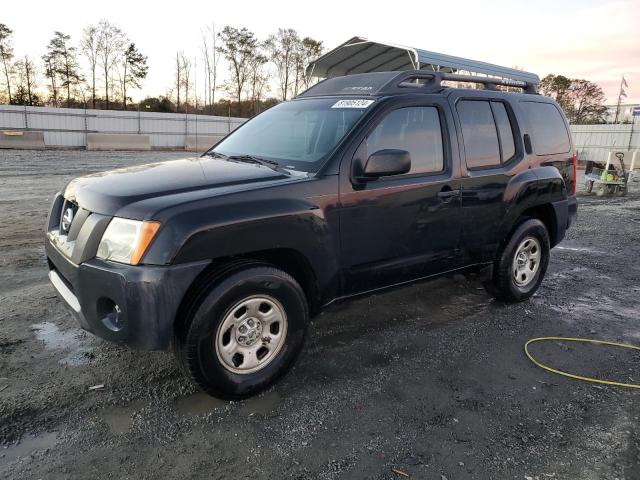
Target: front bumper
[147, 297]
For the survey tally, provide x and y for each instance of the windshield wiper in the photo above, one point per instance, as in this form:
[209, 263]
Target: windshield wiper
[216, 155]
[247, 158]
[254, 159]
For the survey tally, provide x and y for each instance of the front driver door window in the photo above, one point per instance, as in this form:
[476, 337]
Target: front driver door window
[401, 227]
[416, 130]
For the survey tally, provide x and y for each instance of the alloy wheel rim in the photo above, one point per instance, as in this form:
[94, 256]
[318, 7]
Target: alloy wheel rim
[526, 261]
[252, 334]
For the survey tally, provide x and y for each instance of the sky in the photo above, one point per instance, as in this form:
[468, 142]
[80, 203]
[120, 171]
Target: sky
[593, 39]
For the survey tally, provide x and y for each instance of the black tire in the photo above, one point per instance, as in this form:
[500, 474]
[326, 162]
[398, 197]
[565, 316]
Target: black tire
[589, 186]
[503, 284]
[195, 340]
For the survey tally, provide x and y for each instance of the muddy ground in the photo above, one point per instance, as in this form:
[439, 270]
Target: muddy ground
[429, 380]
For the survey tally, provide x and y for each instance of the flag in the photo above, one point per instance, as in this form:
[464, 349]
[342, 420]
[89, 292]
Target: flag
[624, 82]
[623, 93]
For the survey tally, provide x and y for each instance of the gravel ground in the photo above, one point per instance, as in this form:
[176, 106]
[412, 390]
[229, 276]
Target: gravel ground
[429, 380]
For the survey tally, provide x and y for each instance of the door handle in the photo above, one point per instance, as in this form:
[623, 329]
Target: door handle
[447, 195]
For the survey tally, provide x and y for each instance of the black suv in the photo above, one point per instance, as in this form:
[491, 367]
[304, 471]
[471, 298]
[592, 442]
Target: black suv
[361, 183]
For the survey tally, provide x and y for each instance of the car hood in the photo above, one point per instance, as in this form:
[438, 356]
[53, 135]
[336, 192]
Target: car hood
[108, 192]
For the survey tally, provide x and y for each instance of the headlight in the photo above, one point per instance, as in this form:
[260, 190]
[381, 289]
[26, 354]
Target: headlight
[126, 241]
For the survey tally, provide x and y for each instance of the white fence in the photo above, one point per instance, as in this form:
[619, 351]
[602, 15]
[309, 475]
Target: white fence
[69, 127]
[594, 142]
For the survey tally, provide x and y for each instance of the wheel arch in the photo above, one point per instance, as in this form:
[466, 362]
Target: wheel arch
[286, 259]
[547, 215]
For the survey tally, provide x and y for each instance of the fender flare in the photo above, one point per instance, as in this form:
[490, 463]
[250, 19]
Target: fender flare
[540, 187]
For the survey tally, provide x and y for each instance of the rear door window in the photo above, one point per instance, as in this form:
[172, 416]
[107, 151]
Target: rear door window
[548, 131]
[416, 130]
[479, 133]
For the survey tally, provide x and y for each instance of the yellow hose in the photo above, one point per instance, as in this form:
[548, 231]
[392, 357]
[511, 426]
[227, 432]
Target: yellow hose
[572, 375]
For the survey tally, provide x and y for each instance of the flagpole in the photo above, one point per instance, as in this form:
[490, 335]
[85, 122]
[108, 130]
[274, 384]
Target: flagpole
[633, 123]
[619, 100]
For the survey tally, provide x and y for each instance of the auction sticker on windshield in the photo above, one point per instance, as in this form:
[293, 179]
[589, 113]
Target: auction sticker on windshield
[352, 103]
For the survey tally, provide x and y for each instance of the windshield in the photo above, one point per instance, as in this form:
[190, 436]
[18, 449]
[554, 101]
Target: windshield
[297, 134]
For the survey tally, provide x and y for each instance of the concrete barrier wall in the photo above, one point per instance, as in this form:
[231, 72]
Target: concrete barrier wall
[71, 127]
[115, 141]
[201, 143]
[22, 139]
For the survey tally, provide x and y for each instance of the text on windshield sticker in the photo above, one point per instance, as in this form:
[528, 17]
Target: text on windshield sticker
[352, 104]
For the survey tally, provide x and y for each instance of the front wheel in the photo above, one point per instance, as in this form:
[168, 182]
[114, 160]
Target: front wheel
[243, 331]
[521, 264]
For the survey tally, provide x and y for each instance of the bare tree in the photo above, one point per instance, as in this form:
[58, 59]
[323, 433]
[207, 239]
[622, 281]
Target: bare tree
[186, 77]
[111, 43]
[207, 69]
[258, 80]
[238, 46]
[215, 57]
[211, 56]
[61, 56]
[27, 87]
[308, 50]
[89, 46]
[6, 55]
[178, 80]
[134, 65]
[282, 48]
[51, 68]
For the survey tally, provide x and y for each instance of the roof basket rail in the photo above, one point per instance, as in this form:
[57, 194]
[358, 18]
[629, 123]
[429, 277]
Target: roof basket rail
[432, 81]
[490, 83]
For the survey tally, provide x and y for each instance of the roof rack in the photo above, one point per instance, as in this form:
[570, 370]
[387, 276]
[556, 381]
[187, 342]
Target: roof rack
[410, 79]
[419, 81]
[360, 55]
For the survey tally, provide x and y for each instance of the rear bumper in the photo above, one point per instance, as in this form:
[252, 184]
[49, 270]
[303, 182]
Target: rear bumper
[572, 206]
[566, 212]
[147, 297]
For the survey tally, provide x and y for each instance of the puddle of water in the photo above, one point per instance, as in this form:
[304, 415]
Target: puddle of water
[578, 249]
[119, 418]
[198, 404]
[67, 341]
[594, 304]
[261, 405]
[29, 444]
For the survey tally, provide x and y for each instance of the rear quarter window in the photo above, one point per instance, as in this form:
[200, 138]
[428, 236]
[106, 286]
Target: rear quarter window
[548, 131]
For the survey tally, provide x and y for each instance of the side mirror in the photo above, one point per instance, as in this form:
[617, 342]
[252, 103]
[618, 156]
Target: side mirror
[384, 163]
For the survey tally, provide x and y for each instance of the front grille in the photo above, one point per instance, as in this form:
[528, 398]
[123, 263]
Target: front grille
[68, 215]
[77, 236]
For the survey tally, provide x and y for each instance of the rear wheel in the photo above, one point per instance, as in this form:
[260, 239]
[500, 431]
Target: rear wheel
[588, 186]
[522, 263]
[243, 331]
